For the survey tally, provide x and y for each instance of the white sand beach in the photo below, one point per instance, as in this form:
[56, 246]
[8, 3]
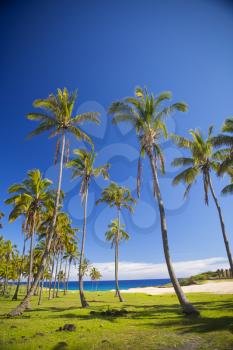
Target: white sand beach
[225, 287]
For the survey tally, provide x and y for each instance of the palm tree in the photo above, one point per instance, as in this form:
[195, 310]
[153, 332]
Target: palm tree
[203, 161]
[146, 113]
[56, 116]
[118, 197]
[15, 296]
[115, 234]
[29, 198]
[83, 167]
[72, 255]
[95, 275]
[9, 250]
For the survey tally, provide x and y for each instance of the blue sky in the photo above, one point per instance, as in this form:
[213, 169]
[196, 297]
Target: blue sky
[105, 49]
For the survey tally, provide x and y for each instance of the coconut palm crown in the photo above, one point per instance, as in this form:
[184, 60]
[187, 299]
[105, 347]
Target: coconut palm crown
[83, 166]
[56, 116]
[202, 161]
[112, 233]
[117, 196]
[147, 114]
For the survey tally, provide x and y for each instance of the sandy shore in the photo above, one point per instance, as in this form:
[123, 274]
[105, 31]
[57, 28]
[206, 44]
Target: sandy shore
[209, 287]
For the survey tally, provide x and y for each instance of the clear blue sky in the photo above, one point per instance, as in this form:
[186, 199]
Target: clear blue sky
[105, 49]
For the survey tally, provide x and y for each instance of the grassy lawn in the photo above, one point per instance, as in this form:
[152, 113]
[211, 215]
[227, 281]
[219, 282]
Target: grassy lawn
[151, 322]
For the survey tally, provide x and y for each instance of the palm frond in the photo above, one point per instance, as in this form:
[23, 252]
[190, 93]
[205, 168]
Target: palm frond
[222, 140]
[182, 161]
[79, 134]
[228, 125]
[167, 111]
[181, 141]
[227, 189]
[187, 176]
[88, 116]
[166, 95]
[44, 126]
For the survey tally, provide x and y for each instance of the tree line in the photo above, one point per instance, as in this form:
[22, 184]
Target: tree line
[41, 206]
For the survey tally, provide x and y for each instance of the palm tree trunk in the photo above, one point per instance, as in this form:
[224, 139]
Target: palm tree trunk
[22, 306]
[222, 225]
[59, 274]
[41, 290]
[64, 280]
[15, 296]
[84, 303]
[68, 276]
[55, 277]
[118, 293]
[187, 307]
[31, 257]
[51, 279]
[6, 277]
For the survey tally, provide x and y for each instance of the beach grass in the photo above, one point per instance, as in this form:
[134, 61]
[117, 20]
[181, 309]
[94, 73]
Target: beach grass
[150, 322]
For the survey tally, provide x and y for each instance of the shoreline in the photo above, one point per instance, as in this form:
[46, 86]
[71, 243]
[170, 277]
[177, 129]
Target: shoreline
[219, 287]
[225, 287]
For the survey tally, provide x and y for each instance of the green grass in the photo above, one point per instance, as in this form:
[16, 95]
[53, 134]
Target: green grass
[152, 322]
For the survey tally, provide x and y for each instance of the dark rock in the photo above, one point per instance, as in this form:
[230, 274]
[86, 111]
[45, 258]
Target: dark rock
[114, 313]
[60, 346]
[67, 327]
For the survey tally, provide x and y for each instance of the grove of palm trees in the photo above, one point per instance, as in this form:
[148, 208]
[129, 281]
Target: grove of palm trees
[116, 175]
[41, 206]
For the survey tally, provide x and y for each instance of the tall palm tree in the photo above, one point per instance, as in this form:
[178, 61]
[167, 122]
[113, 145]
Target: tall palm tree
[95, 275]
[202, 161]
[15, 296]
[56, 117]
[115, 234]
[83, 166]
[29, 198]
[9, 250]
[147, 114]
[72, 255]
[118, 197]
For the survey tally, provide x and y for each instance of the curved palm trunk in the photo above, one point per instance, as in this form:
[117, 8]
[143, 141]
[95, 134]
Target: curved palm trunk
[23, 305]
[81, 290]
[185, 304]
[222, 225]
[118, 293]
[15, 296]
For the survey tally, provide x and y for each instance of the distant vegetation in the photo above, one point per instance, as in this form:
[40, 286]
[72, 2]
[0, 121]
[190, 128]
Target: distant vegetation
[196, 279]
